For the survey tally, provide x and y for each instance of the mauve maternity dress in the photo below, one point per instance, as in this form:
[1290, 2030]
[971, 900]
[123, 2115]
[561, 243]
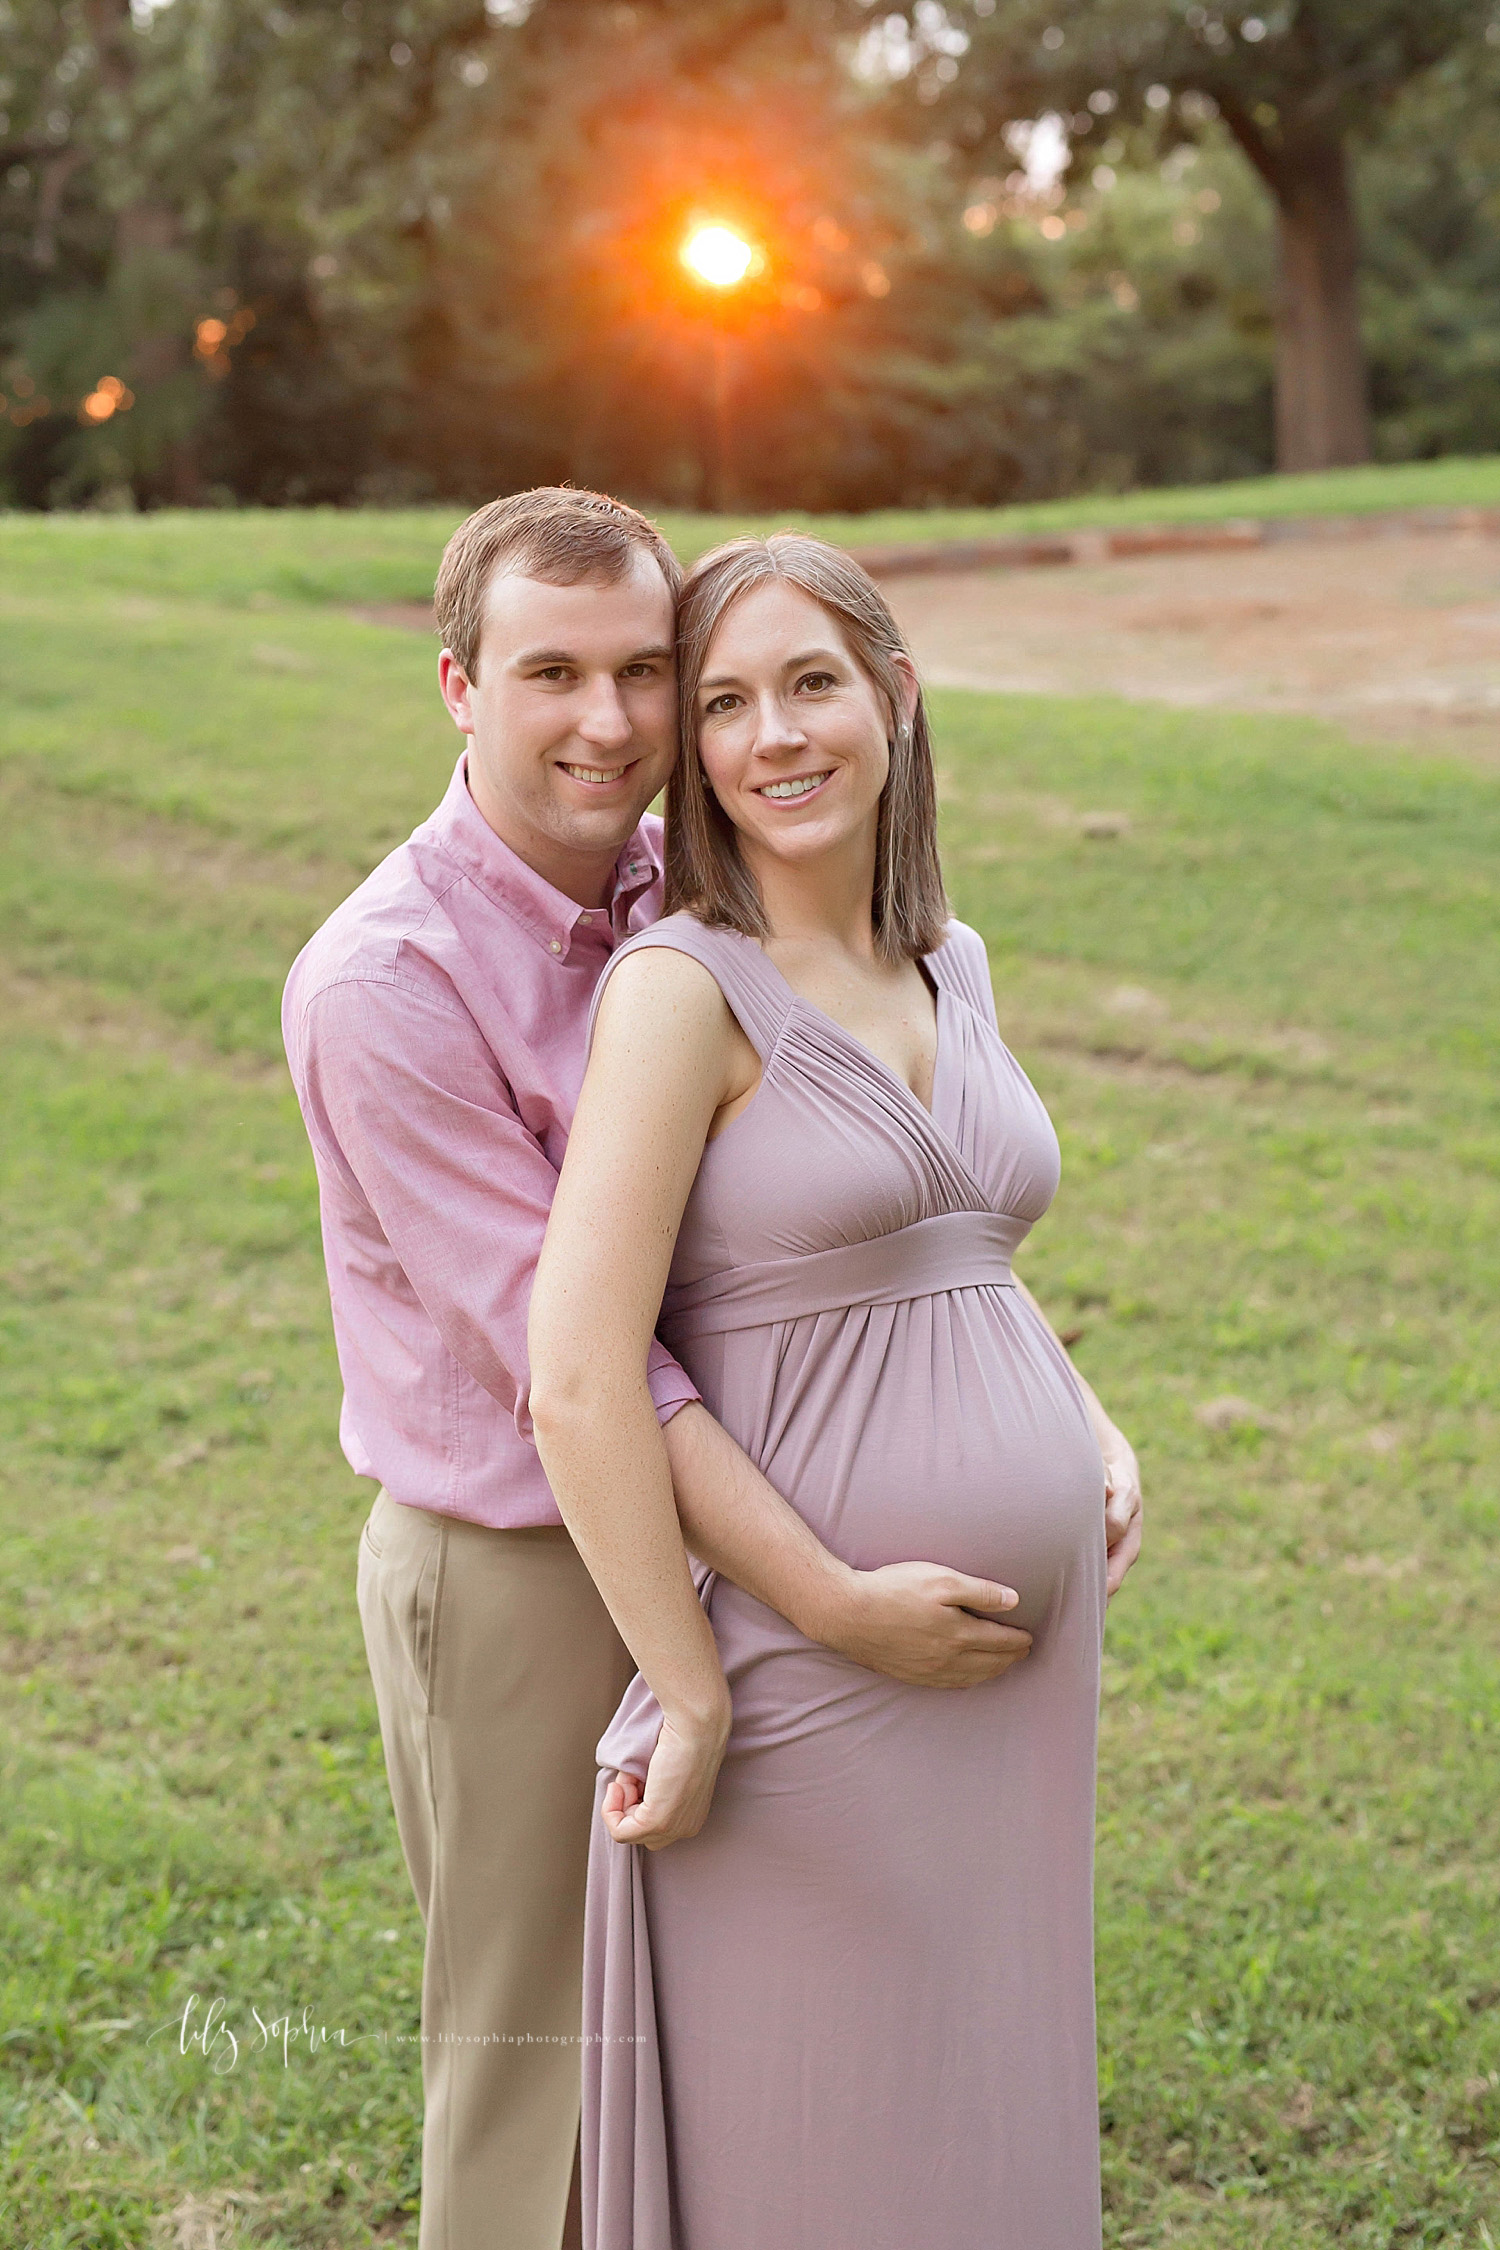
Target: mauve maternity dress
[856, 2011]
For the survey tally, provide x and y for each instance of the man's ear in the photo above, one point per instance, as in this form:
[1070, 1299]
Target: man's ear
[454, 685]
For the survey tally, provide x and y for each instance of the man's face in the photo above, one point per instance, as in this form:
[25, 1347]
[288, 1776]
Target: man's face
[572, 719]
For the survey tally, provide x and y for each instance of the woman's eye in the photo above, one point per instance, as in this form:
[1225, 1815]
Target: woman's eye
[816, 680]
[717, 705]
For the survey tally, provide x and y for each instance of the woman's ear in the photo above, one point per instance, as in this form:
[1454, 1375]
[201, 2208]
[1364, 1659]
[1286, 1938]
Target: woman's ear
[911, 686]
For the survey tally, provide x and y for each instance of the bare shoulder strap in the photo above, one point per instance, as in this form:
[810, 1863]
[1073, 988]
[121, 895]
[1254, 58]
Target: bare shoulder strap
[758, 997]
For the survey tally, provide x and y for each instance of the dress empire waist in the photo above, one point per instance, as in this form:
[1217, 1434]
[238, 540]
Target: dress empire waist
[953, 1250]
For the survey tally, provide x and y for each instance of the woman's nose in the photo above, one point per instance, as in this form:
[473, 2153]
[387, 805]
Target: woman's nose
[777, 729]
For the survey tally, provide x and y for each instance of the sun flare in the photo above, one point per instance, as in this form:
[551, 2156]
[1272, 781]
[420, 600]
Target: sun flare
[717, 255]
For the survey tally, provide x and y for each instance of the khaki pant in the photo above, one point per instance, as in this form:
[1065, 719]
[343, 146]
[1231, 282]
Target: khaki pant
[496, 1669]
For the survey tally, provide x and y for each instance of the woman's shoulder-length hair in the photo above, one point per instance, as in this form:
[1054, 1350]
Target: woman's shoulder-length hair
[704, 872]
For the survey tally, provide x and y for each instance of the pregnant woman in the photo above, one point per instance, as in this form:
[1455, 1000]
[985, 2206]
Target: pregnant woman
[851, 2007]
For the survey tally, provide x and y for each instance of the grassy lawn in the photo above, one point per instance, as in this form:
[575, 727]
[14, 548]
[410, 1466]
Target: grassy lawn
[1263, 1002]
[254, 556]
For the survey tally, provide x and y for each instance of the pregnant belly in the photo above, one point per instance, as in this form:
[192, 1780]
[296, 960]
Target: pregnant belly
[949, 1429]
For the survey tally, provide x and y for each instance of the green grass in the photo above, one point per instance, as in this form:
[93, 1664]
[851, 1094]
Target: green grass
[1264, 1014]
[261, 556]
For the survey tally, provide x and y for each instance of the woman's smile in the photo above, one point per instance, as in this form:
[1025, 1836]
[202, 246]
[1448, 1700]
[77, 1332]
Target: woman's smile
[786, 718]
[793, 788]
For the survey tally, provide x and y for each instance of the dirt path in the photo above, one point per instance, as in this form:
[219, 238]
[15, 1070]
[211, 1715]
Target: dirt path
[1393, 638]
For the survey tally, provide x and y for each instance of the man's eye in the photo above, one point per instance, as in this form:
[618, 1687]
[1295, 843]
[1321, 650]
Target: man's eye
[645, 670]
[553, 672]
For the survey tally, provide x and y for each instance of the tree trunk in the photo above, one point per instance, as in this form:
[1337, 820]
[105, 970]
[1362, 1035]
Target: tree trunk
[1322, 414]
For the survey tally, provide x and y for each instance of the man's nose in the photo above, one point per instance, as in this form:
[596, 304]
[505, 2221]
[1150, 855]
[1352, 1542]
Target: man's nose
[605, 719]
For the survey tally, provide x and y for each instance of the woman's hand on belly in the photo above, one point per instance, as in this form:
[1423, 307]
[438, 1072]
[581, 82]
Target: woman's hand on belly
[1122, 1501]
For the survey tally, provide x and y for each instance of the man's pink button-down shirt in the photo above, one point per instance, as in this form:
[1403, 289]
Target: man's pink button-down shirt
[435, 1029]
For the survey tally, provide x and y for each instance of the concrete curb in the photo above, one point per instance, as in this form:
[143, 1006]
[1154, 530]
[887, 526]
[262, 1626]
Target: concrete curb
[1097, 545]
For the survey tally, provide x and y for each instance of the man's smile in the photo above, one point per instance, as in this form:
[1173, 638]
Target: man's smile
[596, 776]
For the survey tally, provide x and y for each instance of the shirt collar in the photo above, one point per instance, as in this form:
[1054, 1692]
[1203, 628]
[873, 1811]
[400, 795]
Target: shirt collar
[545, 913]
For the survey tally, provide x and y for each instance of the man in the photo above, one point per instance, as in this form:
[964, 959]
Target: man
[436, 1029]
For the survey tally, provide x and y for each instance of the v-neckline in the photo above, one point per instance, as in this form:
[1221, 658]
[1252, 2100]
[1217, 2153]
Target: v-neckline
[939, 994]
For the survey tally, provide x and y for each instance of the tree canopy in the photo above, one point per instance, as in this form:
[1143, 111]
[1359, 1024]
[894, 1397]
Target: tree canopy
[290, 250]
[1294, 85]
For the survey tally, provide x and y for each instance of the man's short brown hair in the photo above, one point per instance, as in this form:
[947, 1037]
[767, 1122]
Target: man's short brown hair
[563, 537]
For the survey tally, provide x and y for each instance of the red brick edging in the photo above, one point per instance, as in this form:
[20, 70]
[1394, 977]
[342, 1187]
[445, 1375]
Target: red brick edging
[1098, 545]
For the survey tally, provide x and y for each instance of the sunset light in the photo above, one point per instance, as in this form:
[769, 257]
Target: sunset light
[718, 256]
[109, 396]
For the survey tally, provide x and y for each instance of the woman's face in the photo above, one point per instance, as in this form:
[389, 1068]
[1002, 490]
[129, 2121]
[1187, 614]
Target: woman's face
[793, 735]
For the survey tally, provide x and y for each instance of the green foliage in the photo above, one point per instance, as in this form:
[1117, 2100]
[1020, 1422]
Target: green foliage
[70, 341]
[1176, 108]
[438, 247]
[1139, 350]
[1431, 222]
[339, 176]
[1263, 1013]
[1337, 60]
[171, 165]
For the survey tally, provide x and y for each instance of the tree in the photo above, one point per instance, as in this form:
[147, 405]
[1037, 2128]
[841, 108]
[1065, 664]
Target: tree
[399, 248]
[1296, 85]
[212, 227]
[110, 133]
[643, 119]
[296, 251]
[1430, 208]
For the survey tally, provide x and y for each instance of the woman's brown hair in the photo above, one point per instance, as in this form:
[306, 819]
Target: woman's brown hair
[705, 873]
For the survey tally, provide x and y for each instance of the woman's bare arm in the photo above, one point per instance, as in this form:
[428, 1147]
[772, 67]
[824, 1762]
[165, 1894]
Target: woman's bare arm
[662, 1062]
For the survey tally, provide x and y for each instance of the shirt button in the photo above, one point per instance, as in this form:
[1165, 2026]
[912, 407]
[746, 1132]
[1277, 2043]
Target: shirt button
[555, 946]
[586, 916]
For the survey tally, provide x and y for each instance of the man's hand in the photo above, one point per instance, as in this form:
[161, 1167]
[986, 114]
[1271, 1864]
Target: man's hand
[1122, 1503]
[910, 1620]
[914, 1621]
[679, 1785]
